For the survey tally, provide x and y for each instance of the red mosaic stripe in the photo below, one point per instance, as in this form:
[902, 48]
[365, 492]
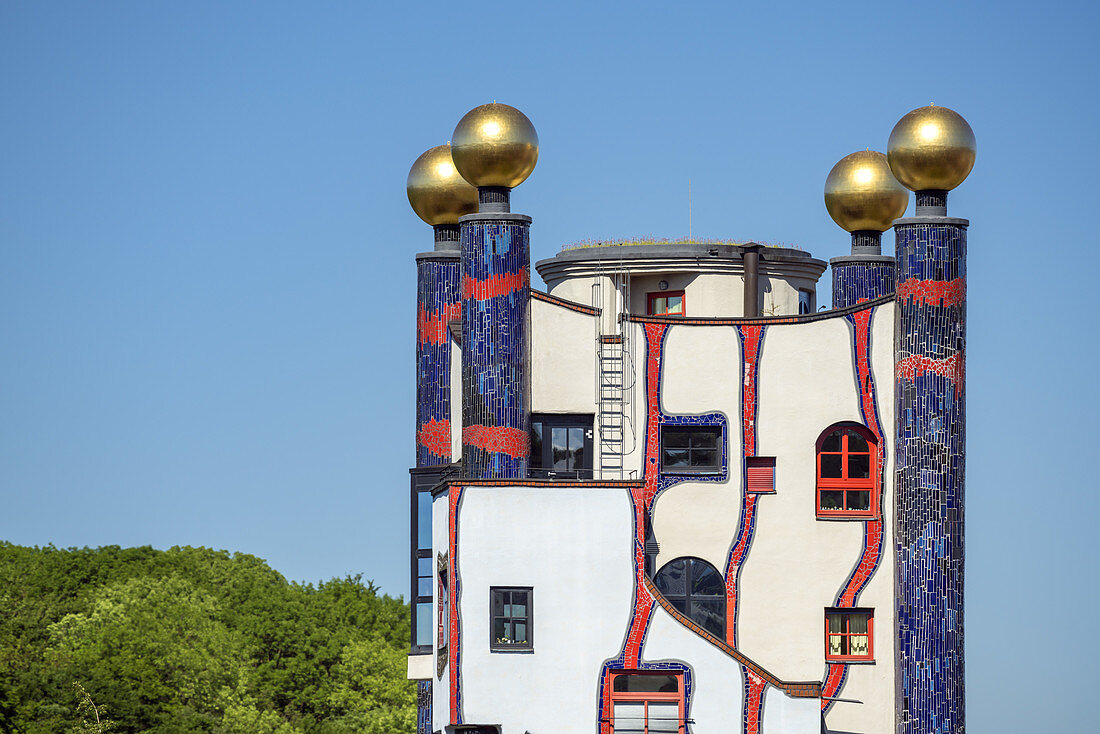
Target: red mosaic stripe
[494, 285]
[431, 326]
[933, 292]
[512, 441]
[754, 701]
[435, 436]
[953, 368]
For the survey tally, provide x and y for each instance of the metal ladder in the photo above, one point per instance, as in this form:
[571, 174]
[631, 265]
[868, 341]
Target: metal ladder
[614, 378]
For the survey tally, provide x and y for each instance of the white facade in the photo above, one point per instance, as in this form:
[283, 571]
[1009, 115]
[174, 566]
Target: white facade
[576, 543]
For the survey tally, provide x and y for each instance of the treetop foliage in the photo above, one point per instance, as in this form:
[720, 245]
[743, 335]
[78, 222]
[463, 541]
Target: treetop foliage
[194, 640]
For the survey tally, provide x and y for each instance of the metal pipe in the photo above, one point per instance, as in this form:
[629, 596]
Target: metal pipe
[750, 256]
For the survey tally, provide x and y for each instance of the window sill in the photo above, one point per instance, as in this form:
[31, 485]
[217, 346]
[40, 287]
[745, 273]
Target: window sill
[841, 515]
[692, 472]
[514, 650]
[849, 661]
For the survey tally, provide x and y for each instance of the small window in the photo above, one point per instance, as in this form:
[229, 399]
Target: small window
[665, 303]
[510, 619]
[686, 449]
[561, 446]
[760, 474]
[646, 702]
[849, 634]
[697, 591]
[805, 301]
[847, 472]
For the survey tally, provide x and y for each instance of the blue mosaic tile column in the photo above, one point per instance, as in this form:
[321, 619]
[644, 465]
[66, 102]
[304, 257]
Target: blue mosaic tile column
[861, 278]
[495, 360]
[424, 707]
[438, 302]
[930, 393]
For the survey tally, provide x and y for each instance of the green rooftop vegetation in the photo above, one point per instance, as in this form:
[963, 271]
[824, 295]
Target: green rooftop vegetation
[643, 241]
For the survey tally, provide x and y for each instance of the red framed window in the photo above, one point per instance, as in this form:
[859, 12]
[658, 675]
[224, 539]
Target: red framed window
[847, 472]
[665, 303]
[646, 702]
[849, 635]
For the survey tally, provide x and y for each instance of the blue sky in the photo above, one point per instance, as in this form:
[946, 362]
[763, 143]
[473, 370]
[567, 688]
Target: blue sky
[207, 279]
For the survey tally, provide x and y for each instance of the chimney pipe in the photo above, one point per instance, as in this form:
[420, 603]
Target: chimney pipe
[750, 257]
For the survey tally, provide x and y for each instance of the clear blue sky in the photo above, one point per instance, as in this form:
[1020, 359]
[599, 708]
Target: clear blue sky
[207, 278]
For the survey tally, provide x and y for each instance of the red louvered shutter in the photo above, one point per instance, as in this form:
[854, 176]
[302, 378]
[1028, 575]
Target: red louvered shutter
[760, 474]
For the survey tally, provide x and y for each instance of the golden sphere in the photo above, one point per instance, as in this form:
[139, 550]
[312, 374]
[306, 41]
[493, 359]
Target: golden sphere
[437, 193]
[495, 145]
[931, 148]
[862, 194]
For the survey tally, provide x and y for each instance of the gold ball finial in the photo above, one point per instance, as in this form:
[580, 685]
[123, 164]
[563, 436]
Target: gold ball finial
[862, 194]
[931, 148]
[495, 145]
[437, 193]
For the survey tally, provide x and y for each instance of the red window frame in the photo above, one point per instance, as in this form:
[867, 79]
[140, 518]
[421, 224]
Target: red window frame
[652, 297]
[844, 483]
[845, 616]
[645, 698]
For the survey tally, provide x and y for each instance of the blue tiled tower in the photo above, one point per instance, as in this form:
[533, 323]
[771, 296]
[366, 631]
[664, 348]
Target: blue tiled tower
[495, 148]
[931, 151]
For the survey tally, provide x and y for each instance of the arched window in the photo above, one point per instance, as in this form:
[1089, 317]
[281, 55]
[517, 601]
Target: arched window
[697, 590]
[847, 472]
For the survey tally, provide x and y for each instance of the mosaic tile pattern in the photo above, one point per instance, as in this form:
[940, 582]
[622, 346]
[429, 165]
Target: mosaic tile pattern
[654, 482]
[930, 348]
[871, 555]
[855, 282]
[454, 641]
[495, 370]
[752, 339]
[437, 304]
[424, 707]
[755, 688]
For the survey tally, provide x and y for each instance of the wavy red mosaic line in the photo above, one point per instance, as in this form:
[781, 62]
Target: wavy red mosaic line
[953, 368]
[754, 701]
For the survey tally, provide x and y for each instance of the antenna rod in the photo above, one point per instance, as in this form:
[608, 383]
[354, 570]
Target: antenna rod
[689, 208]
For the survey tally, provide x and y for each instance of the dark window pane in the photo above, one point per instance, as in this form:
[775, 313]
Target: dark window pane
[836, 622]
[498, 604]
[518, 607]
[679, 604]
[857, 623]
[701, 458]
[672, 578]
[711, 615]
[859, 466]
[674, 458]
[501, 633]
[831, 442]
[831, 466]
[675, 304]
[707, 582]
[832, 499]
[704, 439]
[536, 445]
[857, 443]
[423, 519]
[858, 500]
[642, 683]
[676, 439]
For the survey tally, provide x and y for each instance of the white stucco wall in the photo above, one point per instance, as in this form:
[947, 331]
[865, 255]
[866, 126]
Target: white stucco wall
[702, 374]
[441, 695]
[718, 689]
[573, 547]
[563, 360]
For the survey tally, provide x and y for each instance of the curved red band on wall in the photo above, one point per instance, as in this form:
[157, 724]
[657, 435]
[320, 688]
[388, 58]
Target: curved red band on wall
[495, 285]
[933, 292]
[511, 441]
